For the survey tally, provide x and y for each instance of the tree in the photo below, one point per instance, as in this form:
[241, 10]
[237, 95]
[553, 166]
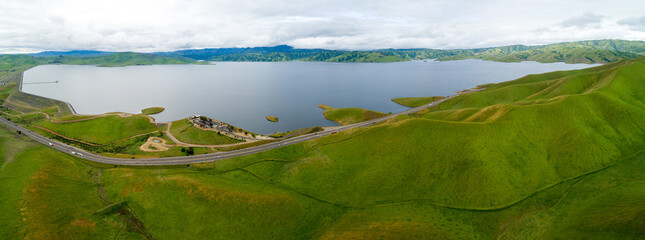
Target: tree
[190, 151]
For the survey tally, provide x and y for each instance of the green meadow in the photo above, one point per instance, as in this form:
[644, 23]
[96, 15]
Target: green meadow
[416, 101]
[102, 130]
[186, 132]
[346, 116]
[549, 156]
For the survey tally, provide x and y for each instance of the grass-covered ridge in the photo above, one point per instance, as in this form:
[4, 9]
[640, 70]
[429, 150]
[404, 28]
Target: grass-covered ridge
[369, 57]
[596, 51]
[102, 130]
[118, 60]
[416, 101]
[518, 138]
[17, 63]
[186, 132]
[346, 116]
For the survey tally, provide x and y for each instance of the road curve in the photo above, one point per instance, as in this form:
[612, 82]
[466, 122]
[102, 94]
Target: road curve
[211, 156]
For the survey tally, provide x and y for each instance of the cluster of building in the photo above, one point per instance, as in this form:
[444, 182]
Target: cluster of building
[205, 122]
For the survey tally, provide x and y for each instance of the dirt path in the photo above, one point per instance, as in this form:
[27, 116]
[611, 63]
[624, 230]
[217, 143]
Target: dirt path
[22, 105]
[46, 115]
[18, 116]
[151, 146]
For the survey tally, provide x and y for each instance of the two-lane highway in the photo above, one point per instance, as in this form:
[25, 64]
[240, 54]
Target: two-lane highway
[205, 157]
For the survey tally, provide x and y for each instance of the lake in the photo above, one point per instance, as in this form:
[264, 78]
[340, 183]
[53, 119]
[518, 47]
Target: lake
[244, 93]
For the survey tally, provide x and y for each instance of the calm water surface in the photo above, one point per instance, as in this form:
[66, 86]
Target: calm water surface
[243, 93]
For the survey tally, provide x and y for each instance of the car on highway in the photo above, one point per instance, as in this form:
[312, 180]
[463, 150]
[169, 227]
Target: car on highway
[51, 144]
[334, 132]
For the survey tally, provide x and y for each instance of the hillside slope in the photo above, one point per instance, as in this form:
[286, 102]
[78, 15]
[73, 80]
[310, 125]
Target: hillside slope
[119, 60]
[510, 141]
[549, 156]
[596, 51]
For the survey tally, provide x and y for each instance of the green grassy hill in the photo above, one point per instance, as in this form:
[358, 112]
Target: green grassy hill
[346, 116]
[523, 137]
[550, 156]
[594, 51]
[416, 101]
[184, 131]
[102, 130]
[551, 53]
[120, 59]
[366, 57]
[16, 63]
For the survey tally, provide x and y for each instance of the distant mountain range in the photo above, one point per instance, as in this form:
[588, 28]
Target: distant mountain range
[595, 51]
[74, 53]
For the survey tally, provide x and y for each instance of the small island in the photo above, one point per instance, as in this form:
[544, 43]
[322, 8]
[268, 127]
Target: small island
[152, 110]
[272, 118]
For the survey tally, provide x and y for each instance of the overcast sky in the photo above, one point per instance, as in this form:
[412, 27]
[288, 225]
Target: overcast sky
[157, 25]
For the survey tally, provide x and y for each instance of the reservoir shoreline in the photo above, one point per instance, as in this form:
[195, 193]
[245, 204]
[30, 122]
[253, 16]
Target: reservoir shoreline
[244, 93]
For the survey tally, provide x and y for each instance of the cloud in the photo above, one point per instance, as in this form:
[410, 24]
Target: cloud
[150, 25]
[588, 19]
[636, 24]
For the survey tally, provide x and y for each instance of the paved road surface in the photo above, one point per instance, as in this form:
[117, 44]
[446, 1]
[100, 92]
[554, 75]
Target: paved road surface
[205, 157]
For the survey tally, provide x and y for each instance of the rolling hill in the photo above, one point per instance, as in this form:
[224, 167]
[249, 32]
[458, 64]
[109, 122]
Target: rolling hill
[548, 156]
[596, 51]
